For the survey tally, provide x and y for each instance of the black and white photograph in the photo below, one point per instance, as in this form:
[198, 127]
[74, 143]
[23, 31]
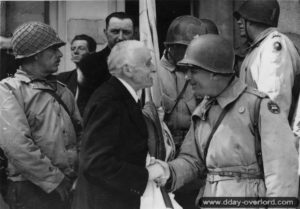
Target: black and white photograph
[149, 104]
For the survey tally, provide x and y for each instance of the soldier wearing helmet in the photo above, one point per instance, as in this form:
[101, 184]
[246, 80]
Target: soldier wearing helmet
[40, 123]
[272, 61]
[178, 100]
[238, 158]
[180, 32]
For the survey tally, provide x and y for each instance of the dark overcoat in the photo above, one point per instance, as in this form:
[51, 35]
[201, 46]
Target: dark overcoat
[112, 159]
[70, 79]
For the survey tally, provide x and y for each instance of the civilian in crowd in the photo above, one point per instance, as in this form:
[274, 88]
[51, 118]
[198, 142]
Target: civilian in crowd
[8, 64]
[119, 27]
[81, 46]
[112, 170]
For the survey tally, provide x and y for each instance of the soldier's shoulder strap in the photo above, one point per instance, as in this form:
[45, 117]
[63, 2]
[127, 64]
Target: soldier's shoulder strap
[214, 128]
[257, 137]
[255, 120]
[255, 92]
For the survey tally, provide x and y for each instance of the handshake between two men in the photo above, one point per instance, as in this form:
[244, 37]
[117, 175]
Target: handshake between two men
[159, 171]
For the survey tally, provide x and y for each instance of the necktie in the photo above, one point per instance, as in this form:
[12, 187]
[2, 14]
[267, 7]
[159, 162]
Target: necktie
[139, 103]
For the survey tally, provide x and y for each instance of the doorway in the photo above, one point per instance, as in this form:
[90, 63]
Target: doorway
[166, 11]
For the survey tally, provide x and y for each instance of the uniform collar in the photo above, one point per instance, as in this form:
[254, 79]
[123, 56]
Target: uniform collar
[24, 76]
[49, 81]
[229, 95]
[261, 37]
[166, 64]
[28, 78]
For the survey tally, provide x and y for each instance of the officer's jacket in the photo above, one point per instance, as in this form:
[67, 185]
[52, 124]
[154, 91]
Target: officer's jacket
[172, 82]
[271, 66]
[37, 133]
[231, 158]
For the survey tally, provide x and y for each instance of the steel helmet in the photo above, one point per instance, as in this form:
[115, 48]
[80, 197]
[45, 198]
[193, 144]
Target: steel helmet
[210, 52]
[210, 26]
[183, 29]
[33, 37]
[261, 11]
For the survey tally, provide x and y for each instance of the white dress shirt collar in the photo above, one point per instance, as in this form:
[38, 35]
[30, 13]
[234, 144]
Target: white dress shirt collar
[130, 89]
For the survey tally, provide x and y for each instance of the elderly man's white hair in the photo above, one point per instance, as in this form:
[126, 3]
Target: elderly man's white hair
[121, 54]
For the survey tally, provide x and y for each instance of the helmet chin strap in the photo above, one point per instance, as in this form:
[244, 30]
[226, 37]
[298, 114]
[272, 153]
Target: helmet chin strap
[246, 32]
[169, 56]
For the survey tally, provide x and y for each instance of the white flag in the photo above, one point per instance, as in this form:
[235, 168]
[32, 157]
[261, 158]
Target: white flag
[148, 35]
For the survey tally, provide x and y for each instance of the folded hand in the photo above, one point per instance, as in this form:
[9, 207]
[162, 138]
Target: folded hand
[162, 180]
[158, 172]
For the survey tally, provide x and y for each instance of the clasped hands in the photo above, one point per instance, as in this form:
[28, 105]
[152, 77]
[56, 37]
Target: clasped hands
[159, 171]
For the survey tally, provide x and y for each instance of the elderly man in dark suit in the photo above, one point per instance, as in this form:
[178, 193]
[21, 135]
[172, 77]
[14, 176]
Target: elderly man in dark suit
[112, 163]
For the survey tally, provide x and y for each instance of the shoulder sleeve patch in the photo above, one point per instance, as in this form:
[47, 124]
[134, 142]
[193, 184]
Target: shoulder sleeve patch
[277, 46]
[273, 107]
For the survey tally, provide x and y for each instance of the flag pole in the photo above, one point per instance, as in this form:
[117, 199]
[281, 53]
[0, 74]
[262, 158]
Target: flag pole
[148, 35]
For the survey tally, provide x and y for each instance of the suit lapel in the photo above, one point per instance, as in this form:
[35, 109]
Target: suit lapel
[137, 116]
[133, 108]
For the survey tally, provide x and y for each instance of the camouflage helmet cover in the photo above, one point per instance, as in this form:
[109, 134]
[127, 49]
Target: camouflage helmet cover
[33, 37]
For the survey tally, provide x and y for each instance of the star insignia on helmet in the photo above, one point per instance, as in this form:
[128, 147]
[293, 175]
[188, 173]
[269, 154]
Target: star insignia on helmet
[273, 107]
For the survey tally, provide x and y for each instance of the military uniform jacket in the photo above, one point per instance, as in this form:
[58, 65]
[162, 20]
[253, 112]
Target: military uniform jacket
[271, 65]
[172, 82]
[37, 133]
[232, 151]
